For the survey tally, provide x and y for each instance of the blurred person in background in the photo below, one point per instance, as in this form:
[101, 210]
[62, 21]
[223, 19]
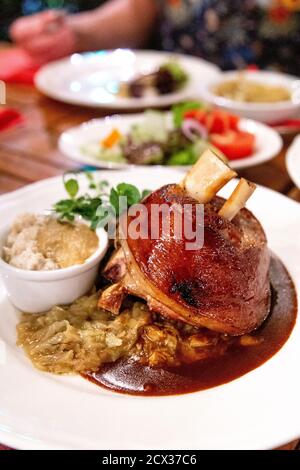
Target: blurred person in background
[12, 9]
[230, 33]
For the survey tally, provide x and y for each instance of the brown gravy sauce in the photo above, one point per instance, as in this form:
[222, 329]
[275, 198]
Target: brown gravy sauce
[131, 377]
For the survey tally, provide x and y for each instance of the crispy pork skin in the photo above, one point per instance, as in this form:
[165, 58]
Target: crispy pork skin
[223, 286]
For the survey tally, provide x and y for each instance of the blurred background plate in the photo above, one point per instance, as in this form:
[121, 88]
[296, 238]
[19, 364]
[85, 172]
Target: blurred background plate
[268, 141]
[91, 79]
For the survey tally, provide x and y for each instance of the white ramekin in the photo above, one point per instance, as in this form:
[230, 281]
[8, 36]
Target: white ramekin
[269, 113]
[38, 291]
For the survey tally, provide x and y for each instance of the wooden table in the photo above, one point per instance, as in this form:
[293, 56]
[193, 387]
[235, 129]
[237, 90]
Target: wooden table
[29, 152]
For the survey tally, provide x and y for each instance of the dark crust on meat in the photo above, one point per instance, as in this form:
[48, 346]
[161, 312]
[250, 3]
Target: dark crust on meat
[225, 281]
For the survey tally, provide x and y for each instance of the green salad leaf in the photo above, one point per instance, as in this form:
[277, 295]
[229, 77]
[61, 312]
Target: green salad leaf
[183, 157]
[180, 109]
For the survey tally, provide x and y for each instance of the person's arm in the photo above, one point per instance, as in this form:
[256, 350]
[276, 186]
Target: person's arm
[118, 23]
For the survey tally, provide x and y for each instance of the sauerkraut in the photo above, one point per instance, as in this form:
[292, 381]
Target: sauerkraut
[80, 337]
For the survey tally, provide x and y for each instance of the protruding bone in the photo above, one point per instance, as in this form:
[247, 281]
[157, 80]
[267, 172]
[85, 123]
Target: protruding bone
[207, 177]
[237, 200]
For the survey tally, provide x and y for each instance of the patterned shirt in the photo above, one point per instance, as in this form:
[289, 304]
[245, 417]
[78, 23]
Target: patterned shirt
[234, 33]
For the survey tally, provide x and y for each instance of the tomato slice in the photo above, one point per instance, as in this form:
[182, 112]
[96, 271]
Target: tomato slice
[233, 121]
[234, 144]
[218, 121]
[197, 114]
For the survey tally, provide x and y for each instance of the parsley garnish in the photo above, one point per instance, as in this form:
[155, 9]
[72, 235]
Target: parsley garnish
[95, 209]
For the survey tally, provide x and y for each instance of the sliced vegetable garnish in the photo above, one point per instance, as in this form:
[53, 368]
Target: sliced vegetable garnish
[112, 139]
[217, 121]
[193, 130]
[234, 144]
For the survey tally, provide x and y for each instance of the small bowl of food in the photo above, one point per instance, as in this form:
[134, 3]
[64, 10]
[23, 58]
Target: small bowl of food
[264, 96]
[45, 261]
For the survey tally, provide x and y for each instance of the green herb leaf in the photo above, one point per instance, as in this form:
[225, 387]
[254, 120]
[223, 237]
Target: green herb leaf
[65, 205]
[87, 207]
[114, 200]
[104, 210]
[72, 187]
[130, 191]
[102, 217]
[94, 223]
[96, 210]
[145, 193]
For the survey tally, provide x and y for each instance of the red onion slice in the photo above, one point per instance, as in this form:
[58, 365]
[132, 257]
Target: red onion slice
[192, 129]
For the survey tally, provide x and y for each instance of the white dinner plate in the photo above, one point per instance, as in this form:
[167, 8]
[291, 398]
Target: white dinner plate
[268, 141]
[257, 411]
[90, 79]
[293, 161]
